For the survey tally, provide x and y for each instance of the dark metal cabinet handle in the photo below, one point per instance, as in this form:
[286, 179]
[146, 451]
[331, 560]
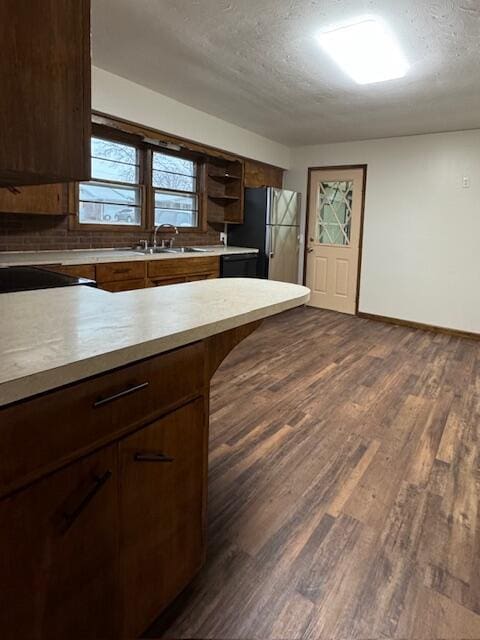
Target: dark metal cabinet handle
[152, 457]
[98, 483]
[127, 270]
[121, 394]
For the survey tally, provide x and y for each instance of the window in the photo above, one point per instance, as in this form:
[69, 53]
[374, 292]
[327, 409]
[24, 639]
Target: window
[114, 195]
[334, 214]
[174, 182]
[134, 184]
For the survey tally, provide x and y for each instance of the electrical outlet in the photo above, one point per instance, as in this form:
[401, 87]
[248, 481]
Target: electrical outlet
[466, 182]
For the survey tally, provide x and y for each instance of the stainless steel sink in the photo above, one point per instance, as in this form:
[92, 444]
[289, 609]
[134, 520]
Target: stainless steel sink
[153, 250]
[187, 250]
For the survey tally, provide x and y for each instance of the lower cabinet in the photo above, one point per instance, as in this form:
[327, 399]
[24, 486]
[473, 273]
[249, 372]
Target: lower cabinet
[59, 560]
[163, 471]
[99, 548]
[127, 276]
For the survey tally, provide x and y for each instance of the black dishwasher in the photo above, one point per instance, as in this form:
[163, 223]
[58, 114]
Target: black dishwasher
[239, 265]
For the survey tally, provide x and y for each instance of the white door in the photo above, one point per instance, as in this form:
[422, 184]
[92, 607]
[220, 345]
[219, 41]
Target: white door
[333, 237]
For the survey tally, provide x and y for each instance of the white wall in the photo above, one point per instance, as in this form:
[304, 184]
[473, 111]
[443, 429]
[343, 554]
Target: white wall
[421, 255]
[124, 99]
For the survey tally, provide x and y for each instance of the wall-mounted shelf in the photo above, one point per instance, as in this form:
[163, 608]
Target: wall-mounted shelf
[218, 197]
[224, 178]
[224, 191]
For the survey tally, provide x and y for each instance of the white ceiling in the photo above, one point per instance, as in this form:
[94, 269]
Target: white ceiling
[256, 63]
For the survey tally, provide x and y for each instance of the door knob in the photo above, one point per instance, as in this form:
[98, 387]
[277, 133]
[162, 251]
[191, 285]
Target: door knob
[309, 250]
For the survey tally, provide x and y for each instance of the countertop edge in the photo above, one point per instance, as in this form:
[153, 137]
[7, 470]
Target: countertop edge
[75, 260]
[23, 388]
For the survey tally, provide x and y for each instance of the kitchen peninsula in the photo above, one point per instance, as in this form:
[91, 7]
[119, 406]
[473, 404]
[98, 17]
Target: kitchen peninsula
[104, 432]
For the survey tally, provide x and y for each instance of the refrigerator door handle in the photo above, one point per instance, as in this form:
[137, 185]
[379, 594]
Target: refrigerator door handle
[268, 241]
[273, 243]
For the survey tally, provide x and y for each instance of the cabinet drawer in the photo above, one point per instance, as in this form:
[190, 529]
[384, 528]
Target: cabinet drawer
[183, 266]
[123, 285]
[45, 432]
[120, 271]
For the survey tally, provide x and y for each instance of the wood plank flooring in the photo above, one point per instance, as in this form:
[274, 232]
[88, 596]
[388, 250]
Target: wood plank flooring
[344, 487]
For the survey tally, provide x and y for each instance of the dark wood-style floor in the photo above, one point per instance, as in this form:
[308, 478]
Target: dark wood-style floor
[344, 487]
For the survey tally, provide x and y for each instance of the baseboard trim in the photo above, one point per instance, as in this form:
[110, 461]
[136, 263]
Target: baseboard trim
[419, 325]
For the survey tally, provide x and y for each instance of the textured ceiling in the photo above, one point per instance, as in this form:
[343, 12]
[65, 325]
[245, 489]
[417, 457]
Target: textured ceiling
[256, 63]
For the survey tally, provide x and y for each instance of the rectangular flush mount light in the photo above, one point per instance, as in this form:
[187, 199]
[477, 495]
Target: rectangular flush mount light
[366, 50]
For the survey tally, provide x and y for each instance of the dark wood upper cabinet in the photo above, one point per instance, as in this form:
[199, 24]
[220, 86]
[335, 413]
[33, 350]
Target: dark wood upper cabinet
[45, 109]
[45, 199]
[258, 174]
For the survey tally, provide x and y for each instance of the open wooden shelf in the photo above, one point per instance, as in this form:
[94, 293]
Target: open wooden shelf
[224, 191]
[224, 178]
[219, 197]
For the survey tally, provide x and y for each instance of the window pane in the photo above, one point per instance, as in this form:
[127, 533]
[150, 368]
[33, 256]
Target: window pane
[334, 212]
[175, 217]
[114, 194]
[113, 151]
[175, 201]
[114, 161]
[102, 213]
[176, 209]
[173, 181]
[172, 164]
[109, 170]
[109, 204]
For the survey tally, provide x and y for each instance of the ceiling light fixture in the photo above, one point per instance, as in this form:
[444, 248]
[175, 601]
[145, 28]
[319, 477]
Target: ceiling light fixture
[366, 50]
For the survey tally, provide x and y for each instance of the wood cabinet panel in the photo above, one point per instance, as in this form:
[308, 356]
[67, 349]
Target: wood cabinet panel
[59, 560]
[183, 266]
[49, 199]
[163, 470]
[45, 111]
[162, 282]
[122, 285]
[115, 271]
[258, 174]
[60, 425]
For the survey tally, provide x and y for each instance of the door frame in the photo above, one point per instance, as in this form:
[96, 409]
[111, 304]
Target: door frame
[337, 167]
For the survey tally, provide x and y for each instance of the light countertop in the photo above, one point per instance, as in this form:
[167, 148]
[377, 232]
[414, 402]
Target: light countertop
[97, 256]
[53, 337]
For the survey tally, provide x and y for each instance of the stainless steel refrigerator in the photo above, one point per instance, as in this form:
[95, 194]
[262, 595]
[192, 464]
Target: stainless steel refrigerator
[271, 225]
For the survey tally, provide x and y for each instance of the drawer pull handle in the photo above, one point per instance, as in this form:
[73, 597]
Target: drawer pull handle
[99, 482]
[122, 270]
[152, 457]
[120, 394]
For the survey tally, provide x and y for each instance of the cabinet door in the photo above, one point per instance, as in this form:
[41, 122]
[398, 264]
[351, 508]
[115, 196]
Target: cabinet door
[49, 199]
[163, 491]
[45, 110]
[59, 557]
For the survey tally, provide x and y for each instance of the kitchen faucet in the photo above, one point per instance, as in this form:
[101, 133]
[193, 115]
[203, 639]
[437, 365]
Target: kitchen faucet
[160, 226]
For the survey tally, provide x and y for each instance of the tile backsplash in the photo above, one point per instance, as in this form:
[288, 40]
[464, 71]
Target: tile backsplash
[36, 233]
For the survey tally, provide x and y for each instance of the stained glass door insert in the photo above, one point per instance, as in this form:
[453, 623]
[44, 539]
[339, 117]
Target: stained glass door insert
[334, 212]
